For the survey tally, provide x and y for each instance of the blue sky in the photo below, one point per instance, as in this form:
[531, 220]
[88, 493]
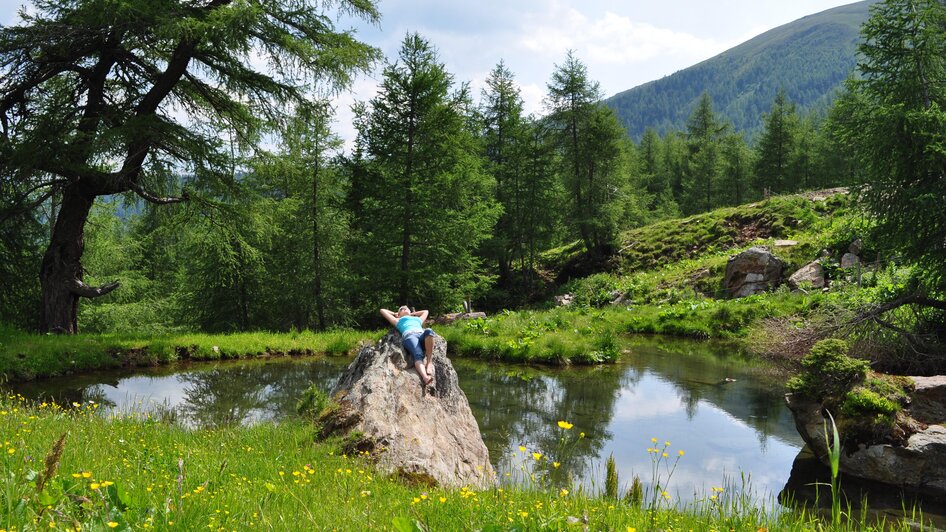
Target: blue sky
[623, 43]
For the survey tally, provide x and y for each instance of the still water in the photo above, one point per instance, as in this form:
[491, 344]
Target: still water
[698, 396]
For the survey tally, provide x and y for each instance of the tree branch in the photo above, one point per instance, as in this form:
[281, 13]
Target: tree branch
[159, 200]
[83, 290]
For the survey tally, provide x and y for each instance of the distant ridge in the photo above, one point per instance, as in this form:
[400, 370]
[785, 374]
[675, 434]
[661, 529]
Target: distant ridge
[810, 58]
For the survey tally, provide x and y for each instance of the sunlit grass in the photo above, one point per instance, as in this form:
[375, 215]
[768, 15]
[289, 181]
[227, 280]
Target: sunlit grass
[26, 356]
[135, 472]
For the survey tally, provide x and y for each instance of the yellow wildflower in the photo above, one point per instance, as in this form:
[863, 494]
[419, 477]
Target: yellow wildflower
[112, 524]
[537, 456]
[565, 425]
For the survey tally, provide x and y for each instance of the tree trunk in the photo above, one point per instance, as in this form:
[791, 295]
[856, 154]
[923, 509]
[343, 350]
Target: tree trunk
[62, 267]
[317, 246]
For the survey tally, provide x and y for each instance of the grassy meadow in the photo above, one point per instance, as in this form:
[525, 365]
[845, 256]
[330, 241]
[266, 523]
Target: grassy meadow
[73, 469]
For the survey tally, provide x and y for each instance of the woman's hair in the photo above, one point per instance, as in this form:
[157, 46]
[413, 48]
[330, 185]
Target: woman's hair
[404, 306]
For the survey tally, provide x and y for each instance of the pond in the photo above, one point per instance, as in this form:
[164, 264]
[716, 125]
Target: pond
[703, 398]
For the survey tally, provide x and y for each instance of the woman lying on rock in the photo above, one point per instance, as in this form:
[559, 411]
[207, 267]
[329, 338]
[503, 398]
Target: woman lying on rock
[413, 334]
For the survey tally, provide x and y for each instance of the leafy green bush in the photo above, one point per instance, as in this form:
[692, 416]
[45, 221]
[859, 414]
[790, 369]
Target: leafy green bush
[594, 290]
[828, 372]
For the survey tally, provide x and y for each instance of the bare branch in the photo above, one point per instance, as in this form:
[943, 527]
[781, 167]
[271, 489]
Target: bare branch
[83, 290]
[159, 200]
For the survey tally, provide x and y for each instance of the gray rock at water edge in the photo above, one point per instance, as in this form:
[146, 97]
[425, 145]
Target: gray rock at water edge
[919, 465]
[811, 274]
[928, 404]
[849, 260]
[753, 271]
[422, 433]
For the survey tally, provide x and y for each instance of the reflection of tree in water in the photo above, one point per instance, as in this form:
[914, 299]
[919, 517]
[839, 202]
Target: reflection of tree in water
[250, 392]
[522, 407]
[65, 392]
[697, 371]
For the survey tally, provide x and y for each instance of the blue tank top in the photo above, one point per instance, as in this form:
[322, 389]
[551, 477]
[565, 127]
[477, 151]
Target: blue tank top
[408, 324]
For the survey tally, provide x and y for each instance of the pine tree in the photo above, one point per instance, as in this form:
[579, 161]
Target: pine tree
[505, 141]
[703, 134]
[892, 122]
[423, 201]
[775, 147]
[590, 142]
[305, 189]
[101, 98]
[736, 169]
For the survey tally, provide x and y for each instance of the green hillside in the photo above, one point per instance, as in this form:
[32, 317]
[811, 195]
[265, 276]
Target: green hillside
[809, 58]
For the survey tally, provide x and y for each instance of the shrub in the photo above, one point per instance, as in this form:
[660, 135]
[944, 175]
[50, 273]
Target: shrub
[312, 402]
[828, 372]
[865, 402]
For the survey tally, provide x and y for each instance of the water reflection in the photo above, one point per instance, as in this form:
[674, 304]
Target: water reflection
[809, 485]
[676, 392]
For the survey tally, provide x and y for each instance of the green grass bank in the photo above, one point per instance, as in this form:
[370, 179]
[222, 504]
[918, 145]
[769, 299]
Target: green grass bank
[137, 472]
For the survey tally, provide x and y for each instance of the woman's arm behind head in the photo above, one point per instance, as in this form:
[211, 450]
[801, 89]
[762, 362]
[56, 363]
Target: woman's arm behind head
[422, 314]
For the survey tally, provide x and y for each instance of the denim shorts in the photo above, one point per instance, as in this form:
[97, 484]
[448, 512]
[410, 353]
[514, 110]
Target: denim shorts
[414, 342]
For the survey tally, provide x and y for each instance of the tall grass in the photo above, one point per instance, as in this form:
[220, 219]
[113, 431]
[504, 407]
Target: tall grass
[136, 472]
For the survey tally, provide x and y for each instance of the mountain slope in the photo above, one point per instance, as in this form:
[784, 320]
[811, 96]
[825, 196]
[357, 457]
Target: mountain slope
[809, 58]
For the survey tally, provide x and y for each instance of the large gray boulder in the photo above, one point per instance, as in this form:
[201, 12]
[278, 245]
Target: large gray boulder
[752, 271]
[919, 464]
[811, 274]
[422, 433]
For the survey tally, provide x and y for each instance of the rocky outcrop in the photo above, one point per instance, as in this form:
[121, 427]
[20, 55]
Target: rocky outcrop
[564, 300]
[422, 433]
[753, 271]
[811, 274]
[928, 400]
[919, 464]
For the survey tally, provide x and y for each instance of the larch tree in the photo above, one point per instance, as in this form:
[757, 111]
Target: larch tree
[100, 97]
[701, 173]
[591, 147]
[892, 122]
[422, 199]
[505, 139]
[776, 146]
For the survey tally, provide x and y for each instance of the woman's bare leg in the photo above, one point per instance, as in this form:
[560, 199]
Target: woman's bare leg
[422, 371]
[429, 353]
